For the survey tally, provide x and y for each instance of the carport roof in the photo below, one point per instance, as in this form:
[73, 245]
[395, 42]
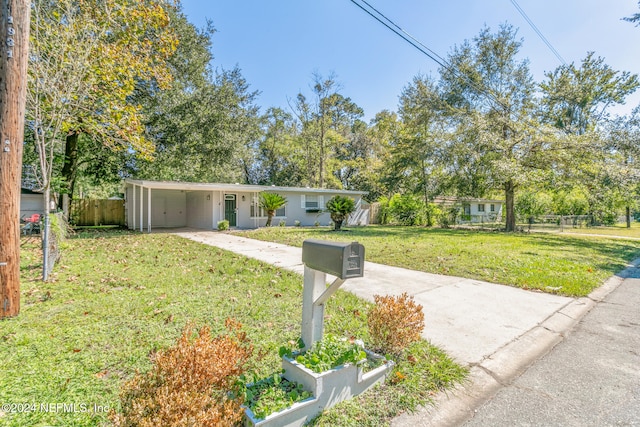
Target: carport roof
[211, 186]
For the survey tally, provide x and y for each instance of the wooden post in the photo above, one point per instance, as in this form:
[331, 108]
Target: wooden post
[14, 49]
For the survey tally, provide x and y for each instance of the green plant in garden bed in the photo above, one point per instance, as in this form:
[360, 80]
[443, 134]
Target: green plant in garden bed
[273, 394]
[329, 353]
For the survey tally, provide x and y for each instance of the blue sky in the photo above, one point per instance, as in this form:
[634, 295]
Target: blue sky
[279, 44]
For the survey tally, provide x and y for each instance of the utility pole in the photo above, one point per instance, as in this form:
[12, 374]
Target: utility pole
[14, 49]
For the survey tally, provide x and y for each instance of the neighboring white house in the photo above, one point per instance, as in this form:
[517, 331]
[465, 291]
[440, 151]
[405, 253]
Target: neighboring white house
[474, 210]
[170, 204]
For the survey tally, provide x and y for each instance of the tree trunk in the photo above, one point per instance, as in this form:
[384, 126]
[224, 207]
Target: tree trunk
[509, 193]
[628, 212]
[269, 218]
[70, 168]
[14, 33]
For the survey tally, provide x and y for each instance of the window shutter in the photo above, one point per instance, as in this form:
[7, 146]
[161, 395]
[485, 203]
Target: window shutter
[303, 203]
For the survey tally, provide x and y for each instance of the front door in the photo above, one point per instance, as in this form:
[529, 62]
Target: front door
[230, 211]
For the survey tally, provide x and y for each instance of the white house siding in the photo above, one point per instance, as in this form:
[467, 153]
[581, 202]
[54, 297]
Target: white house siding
[169, 208]
[200, 209]
[477, 215]
[294, 210]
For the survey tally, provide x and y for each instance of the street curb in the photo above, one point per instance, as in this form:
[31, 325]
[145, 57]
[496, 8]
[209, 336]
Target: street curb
[454, 407]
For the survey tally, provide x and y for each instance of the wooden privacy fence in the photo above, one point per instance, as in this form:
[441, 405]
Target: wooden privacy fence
[97, 212]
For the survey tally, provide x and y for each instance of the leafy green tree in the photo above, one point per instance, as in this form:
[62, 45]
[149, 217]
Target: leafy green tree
[280, 155]
[531, 204]
[381, 178]
[490, 93]
[340, 207]
[204, 133]
[326, 121]
[418, 153]
[621, 171]
[576, 99]
[271, 202]
[573, 202]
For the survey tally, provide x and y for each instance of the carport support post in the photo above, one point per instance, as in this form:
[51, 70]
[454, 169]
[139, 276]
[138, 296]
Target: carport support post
[315, 283]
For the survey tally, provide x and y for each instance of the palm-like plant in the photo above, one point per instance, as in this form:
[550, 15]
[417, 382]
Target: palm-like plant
[271, 202]
[340, 207]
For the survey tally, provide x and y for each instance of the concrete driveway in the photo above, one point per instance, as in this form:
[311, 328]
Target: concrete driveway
[470, 319]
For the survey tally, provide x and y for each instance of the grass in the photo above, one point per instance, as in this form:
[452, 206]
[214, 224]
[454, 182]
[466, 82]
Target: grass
[618, 230]
[557, 263]
[117, 297]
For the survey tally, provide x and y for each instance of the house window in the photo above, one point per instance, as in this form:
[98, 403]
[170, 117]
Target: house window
[467, 209]
[261, 213]
[312, 202]
[481, 207]
[492, 207]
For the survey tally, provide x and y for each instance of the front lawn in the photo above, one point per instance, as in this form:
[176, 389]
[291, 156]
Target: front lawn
[117, 297]
[556, 263]
[618, 230]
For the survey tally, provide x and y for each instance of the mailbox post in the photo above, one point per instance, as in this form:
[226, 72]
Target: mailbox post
[343, 260]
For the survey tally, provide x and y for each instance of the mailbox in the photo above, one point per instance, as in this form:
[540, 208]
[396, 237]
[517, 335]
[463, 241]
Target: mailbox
[344, 260]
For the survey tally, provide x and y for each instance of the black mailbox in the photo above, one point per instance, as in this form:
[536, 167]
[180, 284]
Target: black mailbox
[344, 260]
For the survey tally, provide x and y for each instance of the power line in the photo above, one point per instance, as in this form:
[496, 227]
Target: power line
[428, 52]
[381, 18]
[538, 32]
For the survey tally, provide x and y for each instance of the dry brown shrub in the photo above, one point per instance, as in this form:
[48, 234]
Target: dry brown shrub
[189, 383]
[394, 323]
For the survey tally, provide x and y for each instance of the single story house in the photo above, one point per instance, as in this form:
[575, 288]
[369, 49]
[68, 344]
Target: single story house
[171, 204]
[474, 210]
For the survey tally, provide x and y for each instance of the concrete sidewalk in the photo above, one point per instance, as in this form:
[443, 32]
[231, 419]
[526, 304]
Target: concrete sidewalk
[498, 331]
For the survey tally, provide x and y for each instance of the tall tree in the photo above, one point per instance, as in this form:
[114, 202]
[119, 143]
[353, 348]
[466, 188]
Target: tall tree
[418, 152]
[203, 133]
[86, 59]
[621, 169]
[280, 155]
[14, 29]
[492, 93]
[326, 122]
[575, 99]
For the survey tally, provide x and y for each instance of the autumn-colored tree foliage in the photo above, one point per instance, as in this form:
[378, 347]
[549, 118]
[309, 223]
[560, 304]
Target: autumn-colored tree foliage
[394, 323]
[86, 59]
[189, 384]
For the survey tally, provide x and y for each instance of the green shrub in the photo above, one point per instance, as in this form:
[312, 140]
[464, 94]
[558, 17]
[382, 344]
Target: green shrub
[296, 223]
[384, 213]
[432, 212]
[271, 202]
[340, 207]
[223, 225]
[407, 209]
[282, 223]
